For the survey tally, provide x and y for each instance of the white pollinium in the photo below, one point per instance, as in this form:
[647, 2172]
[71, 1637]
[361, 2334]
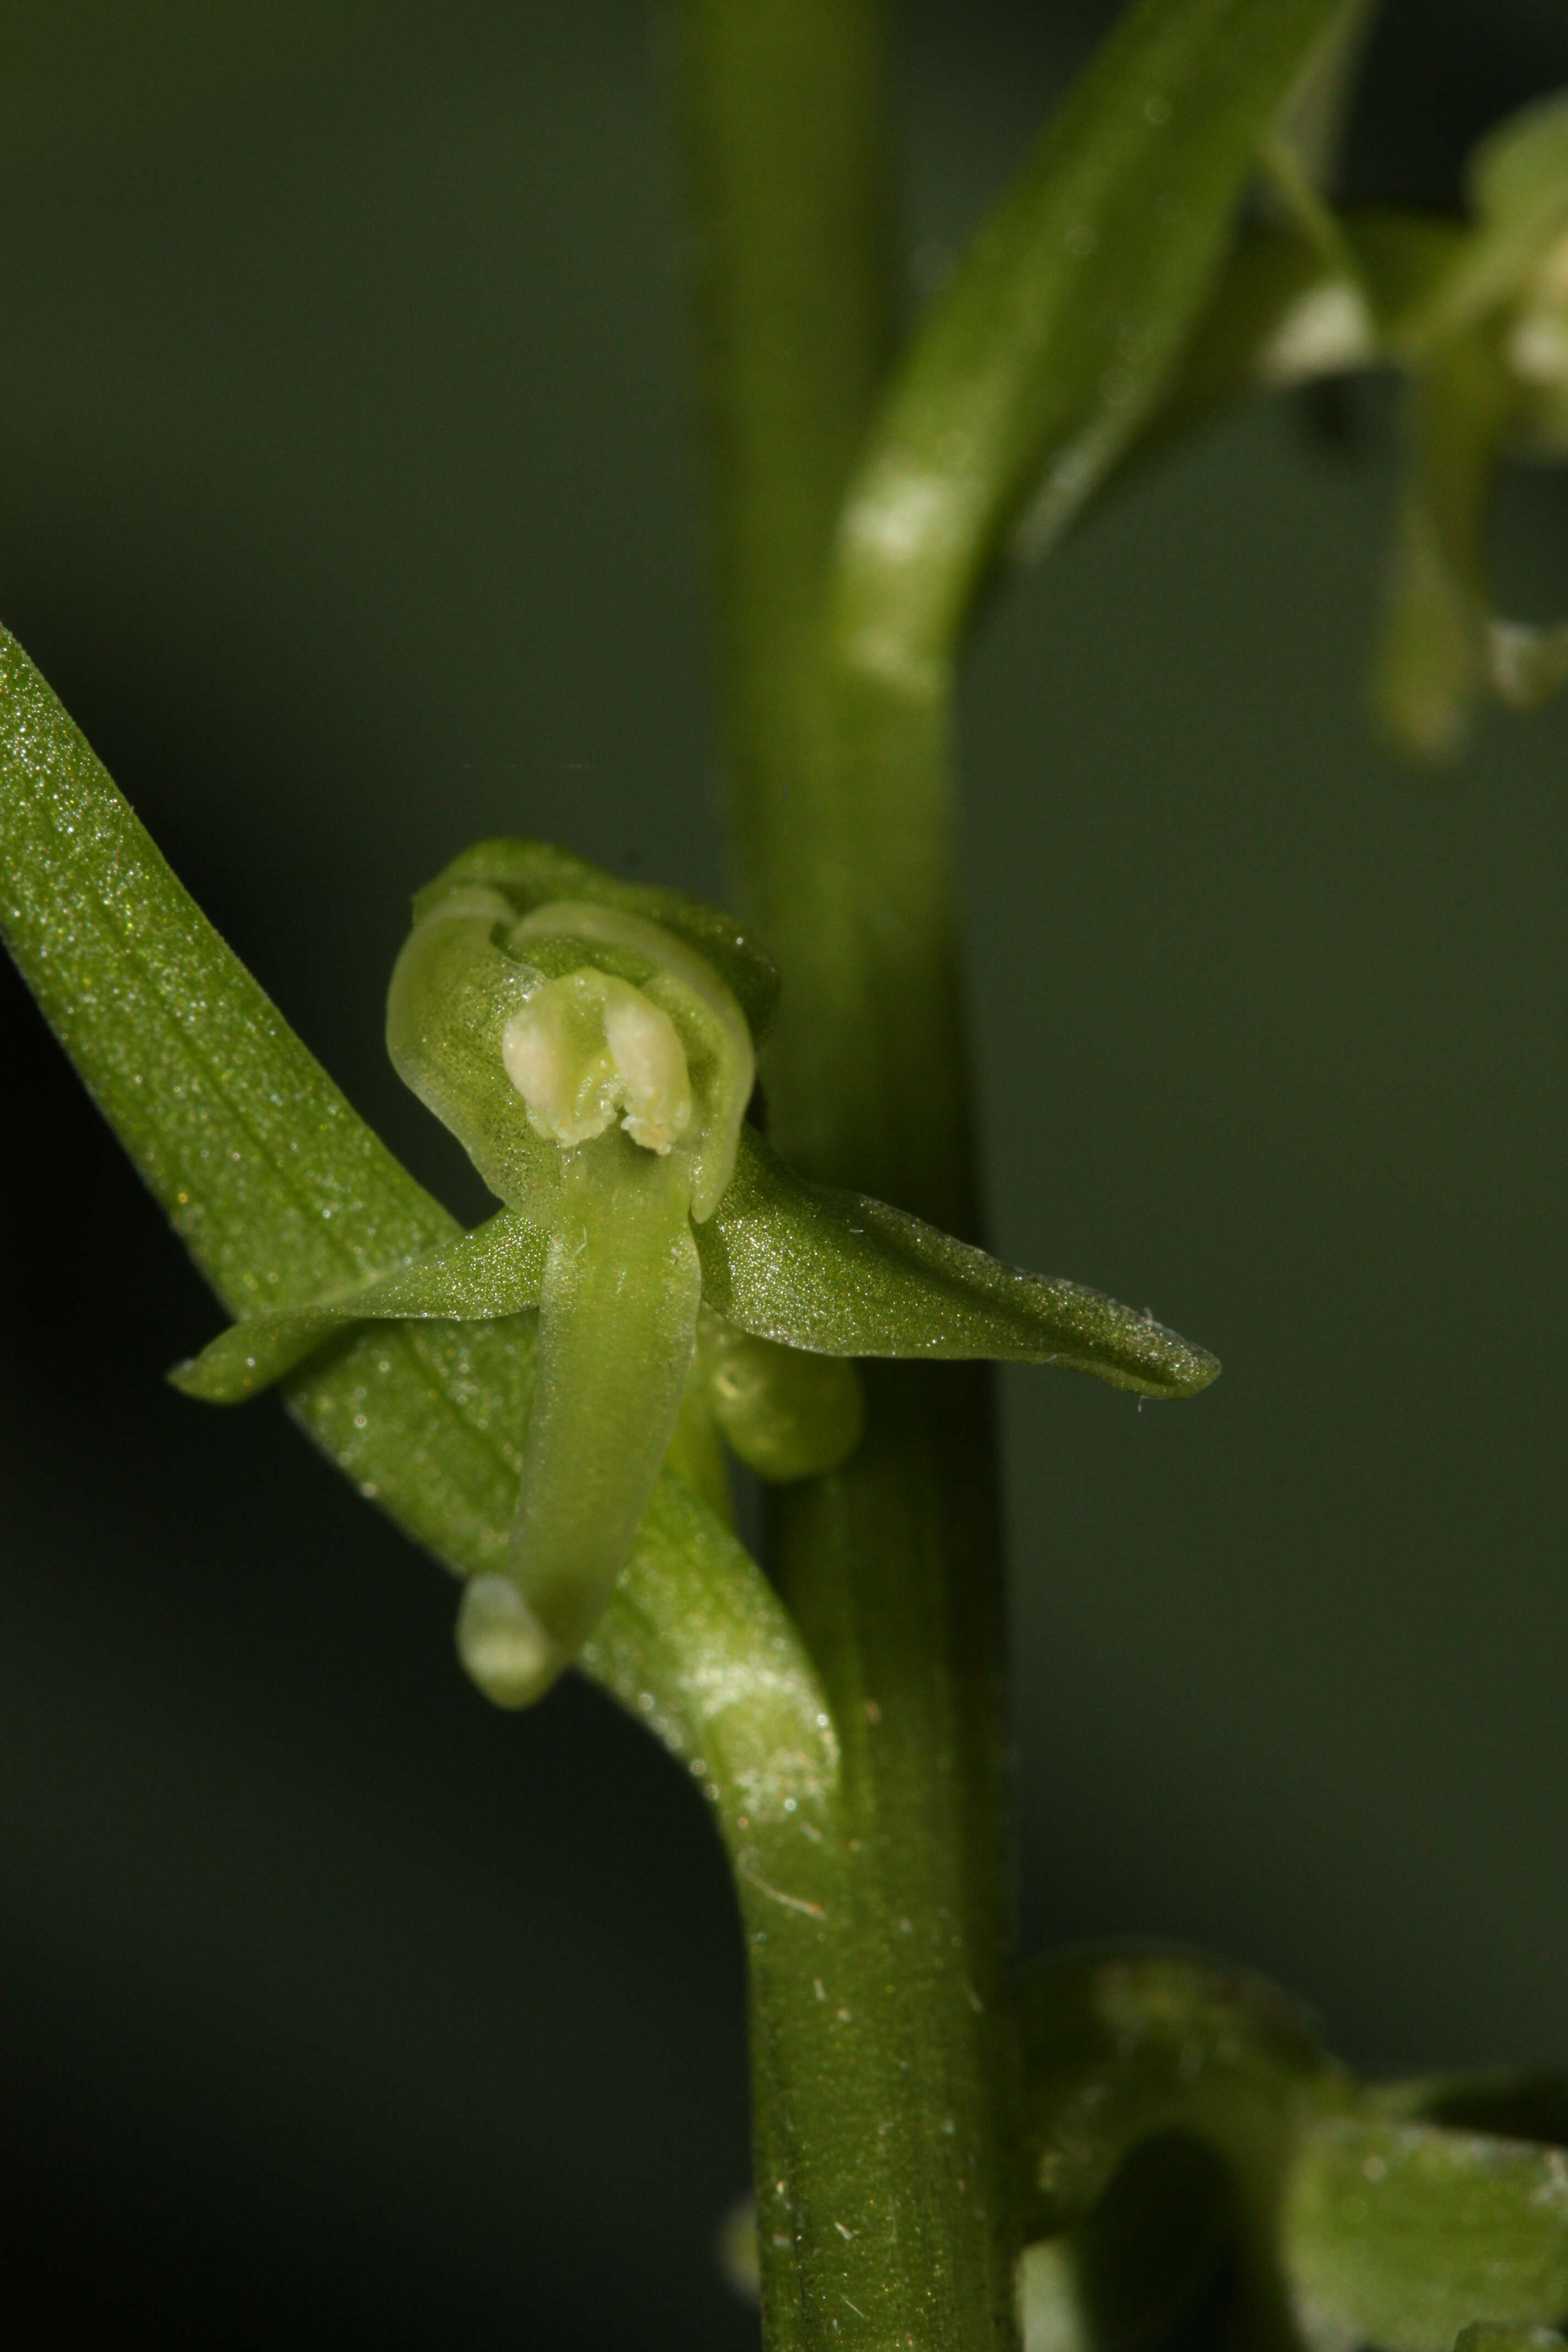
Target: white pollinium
[587, 1047]
[651, 1061]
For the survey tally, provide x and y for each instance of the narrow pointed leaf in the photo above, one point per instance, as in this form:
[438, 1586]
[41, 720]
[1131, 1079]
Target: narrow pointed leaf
[280, 1193]
[1400, 2234]
[427, 1420]
[847, 1276]
[494, 1271]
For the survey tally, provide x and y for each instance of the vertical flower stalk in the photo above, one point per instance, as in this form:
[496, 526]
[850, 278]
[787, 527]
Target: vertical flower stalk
[879, 2033]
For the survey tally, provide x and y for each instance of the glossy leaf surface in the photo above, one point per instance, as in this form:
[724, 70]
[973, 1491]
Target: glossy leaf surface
[850, 1277]
[279, 1191]
[495, 1271]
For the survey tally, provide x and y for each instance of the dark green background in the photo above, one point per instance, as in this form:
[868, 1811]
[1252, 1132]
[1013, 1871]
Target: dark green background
[346, 496]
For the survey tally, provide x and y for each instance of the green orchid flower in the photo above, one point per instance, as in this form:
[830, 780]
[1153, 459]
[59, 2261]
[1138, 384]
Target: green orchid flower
[597, 1069]
[592, 1045]
[658, 1283]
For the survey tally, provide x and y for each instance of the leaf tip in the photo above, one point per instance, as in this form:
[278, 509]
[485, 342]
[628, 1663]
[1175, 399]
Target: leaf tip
[212, 1379]
[1199, 1372]
[1176, 1369]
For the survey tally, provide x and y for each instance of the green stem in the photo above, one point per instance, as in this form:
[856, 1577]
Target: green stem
[882, 2098]
[880, 2032]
